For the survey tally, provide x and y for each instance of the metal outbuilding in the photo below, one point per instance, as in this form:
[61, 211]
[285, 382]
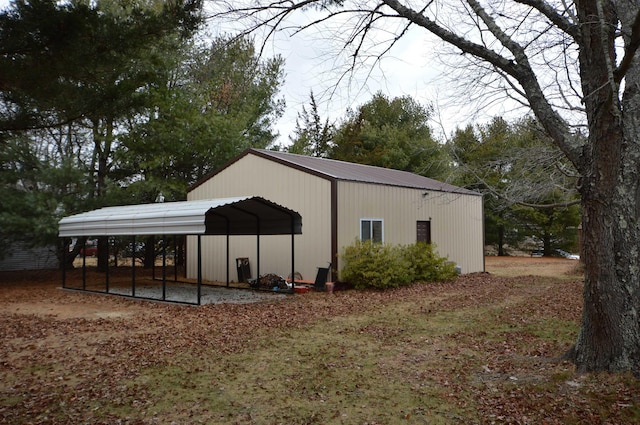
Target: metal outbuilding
[342, 202]
[247, 215]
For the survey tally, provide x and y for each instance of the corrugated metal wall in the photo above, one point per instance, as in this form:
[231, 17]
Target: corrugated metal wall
[456, 220]
[302, 192]
[21, 257]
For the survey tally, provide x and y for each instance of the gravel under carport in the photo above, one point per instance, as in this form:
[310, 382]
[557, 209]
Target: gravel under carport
[188, 294]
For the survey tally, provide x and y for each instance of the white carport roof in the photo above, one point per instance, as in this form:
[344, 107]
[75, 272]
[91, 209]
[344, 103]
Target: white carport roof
[249, 215]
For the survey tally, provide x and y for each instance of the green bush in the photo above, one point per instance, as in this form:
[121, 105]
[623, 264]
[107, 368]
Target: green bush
[375, 265]
[381, 266]
[427, 265]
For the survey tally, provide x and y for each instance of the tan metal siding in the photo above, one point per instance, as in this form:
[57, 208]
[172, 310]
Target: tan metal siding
[456, 219]
[305, 193]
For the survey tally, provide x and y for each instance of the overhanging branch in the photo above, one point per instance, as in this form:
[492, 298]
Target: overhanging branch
[630, 51]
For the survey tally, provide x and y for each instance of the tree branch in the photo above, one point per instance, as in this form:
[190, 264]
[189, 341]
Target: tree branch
[463, 44]
[517, 67]
[521, 71]
[557, 19]
[549, 206]
[630, 51]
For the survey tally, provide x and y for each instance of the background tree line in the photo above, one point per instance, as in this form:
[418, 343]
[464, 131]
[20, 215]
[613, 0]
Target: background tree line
[113, 102]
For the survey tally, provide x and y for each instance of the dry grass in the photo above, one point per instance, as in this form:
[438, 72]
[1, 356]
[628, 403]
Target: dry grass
[560, 268]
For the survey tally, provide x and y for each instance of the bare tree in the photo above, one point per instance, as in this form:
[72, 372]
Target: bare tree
[561, 60]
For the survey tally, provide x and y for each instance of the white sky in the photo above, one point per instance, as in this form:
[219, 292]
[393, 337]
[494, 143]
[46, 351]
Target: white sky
[308, 67]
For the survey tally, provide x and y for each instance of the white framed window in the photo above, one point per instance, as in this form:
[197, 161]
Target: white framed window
[372, 229]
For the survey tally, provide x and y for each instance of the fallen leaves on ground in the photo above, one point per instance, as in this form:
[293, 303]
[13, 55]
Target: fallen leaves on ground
[63, 358]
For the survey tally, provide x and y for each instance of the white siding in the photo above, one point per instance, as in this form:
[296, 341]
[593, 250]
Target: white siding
[21, 257]
[307, 194]
[456, 220]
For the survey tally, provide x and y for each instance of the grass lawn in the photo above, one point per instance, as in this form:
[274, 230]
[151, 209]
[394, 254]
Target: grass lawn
[484, 349]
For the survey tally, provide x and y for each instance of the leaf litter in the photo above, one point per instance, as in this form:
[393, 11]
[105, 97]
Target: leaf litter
[482, 349]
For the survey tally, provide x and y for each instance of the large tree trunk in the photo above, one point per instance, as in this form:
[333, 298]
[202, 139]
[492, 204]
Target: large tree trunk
[149, 252]
[103, 137]
[609, 337]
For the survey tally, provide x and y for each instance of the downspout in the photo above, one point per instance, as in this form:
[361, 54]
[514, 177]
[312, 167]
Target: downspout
[334, 230]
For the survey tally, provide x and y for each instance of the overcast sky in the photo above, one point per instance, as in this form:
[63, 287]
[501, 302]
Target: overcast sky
[311, 64]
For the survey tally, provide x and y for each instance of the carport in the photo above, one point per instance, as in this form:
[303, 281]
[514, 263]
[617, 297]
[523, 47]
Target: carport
[228, 217]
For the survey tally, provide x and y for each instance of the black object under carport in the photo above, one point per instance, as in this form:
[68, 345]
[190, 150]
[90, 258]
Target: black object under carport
[244, 269]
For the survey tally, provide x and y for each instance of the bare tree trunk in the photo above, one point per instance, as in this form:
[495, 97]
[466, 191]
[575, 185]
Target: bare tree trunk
[609, 337]
[546, 245]
[103, 253]
[149, 252]
[103, 136]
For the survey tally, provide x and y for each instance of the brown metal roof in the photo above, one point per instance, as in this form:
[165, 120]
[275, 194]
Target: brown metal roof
[348, 171]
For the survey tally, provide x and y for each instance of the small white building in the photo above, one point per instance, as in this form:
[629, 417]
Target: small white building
[339, 202]
[21, 256]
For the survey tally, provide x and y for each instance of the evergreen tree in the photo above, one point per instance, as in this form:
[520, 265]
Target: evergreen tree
[392, 134]
[312, 136]
[528, 188]
[217, 100]
[71, 75]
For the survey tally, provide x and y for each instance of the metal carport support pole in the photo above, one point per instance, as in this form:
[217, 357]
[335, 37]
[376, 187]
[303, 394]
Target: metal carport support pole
[175, 258]
[65, 249]
[164, 267]
[84, 265]
[133, 265]
[153, 263]
[106, 275]
[258, 250]
[199, 268]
